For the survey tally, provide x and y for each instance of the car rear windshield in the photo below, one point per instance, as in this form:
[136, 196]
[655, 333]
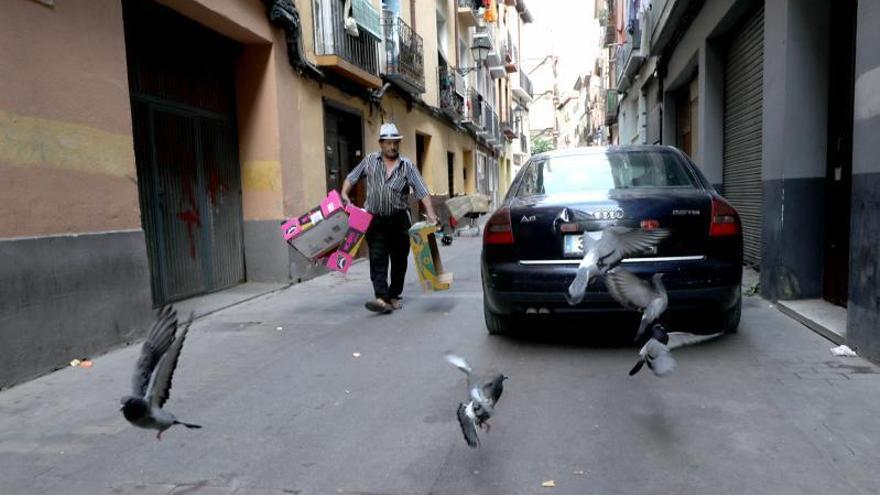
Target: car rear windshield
[603, 172]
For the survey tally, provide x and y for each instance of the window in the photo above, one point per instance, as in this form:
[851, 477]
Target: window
[603, 172]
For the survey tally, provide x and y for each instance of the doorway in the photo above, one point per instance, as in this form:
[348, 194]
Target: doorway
[840, 129]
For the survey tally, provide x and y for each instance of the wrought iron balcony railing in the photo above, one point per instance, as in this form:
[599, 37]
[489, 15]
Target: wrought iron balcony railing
[473, 111]
[611, 102]
[452, 92]
[356, 57]
[523, 89]
[467, 12]
[404, 54]
[629, 56]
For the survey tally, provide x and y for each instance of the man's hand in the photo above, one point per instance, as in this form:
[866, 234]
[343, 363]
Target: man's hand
[432, 217]
[345, 200]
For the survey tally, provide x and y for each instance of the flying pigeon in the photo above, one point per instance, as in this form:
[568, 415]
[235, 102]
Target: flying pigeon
[656, 353]
[633, 293]
[483, 396]
[605, 249]
[151, 382]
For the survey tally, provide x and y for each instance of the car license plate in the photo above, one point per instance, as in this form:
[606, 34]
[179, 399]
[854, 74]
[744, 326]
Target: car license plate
[573, 245]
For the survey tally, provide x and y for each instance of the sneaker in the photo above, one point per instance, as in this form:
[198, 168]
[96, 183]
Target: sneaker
[378, 306]
[396, 303]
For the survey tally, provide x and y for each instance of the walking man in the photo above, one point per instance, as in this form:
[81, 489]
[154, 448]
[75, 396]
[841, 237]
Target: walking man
[389, 179]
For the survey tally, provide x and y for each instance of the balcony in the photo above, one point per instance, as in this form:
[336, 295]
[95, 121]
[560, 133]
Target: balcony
[468, 12]
[511, 55]
[354, 57]
[666, 18]
[523, 90]
[508, 129]
[487, 132]
[452, 93]
[523, 10]
[611, 102]
[473, 111]
[486, 34]
[610, 28]
[404, 55]
[629, 56]
[493, 129]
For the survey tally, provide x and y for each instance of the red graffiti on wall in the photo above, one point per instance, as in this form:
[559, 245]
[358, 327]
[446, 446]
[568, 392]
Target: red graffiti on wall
[192, 219]
[214, 185]
[191, 216]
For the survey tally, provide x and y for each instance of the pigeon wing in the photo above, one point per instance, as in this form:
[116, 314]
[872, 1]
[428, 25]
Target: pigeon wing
[682, 339]
[468, 428]
[459, 362]
[624, 241]
[158, 340]
[629, 290]
[160, 389]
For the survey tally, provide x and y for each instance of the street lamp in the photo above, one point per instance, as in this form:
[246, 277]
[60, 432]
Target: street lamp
[480, 51]
[518, 111]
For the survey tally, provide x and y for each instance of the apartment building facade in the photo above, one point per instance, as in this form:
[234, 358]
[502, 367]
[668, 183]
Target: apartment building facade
[152, 148]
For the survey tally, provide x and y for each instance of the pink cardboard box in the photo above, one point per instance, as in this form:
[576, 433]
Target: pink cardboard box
[318, 231]
[358, 223]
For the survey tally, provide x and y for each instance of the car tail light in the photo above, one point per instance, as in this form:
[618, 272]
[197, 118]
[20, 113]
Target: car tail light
[498, 229]
[650, 224]
[725, 220]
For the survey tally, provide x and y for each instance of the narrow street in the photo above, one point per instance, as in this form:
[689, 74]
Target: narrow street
[343, 401]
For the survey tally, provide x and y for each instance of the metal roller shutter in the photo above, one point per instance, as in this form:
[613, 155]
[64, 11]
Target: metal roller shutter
[743, 101]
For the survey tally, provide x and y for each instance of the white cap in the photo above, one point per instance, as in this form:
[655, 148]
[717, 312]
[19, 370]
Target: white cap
[389, 132]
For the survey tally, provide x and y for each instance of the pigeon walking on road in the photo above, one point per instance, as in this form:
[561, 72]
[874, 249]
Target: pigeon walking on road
[151, 382]
[483, 396]
[606, 251]
[656, 353]
[633, 293]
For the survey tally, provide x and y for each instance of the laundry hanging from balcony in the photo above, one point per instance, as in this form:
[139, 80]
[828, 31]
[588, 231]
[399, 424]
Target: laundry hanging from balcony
[350, 24]
[365, 16]
[490, 15]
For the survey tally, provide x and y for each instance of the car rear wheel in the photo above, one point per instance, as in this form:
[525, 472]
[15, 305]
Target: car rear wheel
[730, 318]
[495, 323]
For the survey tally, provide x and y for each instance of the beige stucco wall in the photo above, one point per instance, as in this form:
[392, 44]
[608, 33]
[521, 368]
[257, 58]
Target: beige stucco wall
[426, 27]
[66, 153]
[67, 159]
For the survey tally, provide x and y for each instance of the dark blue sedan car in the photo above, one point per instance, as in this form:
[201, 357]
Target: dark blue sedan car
[533, 242]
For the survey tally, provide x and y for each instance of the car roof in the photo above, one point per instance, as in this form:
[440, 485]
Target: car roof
[595, 150]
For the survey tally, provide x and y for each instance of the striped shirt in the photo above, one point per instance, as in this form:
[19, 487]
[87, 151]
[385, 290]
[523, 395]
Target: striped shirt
[386, 196]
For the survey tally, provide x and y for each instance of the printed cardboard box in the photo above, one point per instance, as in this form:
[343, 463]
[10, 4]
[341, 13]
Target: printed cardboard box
[423, 241]
[358, 223]
[320, 230]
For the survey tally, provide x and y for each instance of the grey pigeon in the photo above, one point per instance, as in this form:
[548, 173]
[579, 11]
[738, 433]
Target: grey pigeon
[605, 250]
[151, 382]
[656, 353]
[483, 396]
[633, 293]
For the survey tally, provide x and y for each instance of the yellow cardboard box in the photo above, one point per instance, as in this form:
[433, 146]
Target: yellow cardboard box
[427, 257]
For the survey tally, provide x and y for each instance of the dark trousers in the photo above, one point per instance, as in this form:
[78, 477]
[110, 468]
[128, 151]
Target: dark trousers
[388, 239]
